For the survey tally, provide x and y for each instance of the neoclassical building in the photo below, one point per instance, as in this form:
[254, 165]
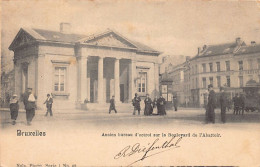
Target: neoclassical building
[75, 67]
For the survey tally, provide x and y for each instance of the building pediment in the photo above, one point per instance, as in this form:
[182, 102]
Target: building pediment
[110, 39]
[21, 39]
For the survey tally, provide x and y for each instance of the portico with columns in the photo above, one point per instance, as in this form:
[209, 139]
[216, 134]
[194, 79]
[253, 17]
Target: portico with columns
[75, 68]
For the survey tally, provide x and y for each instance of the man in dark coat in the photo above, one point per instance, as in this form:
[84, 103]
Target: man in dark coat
[136, 103]
[223, 104]
[211, 105]
[14, 107]
[175, 102]
[29, 103]
[48, 103]
[242, 103]
[112, 105]
[236, 103]
[161, 106]
[148, 110]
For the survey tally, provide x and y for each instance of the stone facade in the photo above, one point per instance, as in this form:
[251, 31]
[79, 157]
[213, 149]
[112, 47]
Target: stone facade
[74, 68]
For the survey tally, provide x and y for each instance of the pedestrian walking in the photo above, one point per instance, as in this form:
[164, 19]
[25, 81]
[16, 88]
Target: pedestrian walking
[223, 104]
[136, 103]
[48, 103]
[161, 105]
[148, 110]
[175, 102]
[14, 107]
[112, 105]
[236, 103]
[211, 105]
[30, 106]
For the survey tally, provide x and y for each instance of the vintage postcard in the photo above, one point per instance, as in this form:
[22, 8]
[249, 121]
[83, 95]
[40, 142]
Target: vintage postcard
[130, 83]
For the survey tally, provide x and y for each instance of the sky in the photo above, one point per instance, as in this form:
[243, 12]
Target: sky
[172, 27]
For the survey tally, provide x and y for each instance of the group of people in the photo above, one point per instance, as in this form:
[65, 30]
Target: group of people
[150, 106]
[29, 101]
[239, 103]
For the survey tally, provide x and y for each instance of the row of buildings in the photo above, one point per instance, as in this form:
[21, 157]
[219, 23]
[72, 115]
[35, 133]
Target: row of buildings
[230, 65]
[75, 68]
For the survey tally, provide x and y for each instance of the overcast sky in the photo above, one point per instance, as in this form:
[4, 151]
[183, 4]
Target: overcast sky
[172, 27]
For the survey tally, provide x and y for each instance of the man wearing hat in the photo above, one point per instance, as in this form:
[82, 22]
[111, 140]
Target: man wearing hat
[14, 107]
[29, 103]
[211, 104]
[48, 103]
[136, 103]
[223, 104]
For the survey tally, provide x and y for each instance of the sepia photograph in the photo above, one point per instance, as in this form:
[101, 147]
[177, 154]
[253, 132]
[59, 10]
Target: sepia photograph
[129, 83]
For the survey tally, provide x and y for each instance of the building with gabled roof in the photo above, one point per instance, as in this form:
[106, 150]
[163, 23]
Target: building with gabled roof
[75, 68]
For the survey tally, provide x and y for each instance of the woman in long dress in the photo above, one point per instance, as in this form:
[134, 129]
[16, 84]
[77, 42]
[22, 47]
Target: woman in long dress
[155, 105]
[161, 106]
[148, 105]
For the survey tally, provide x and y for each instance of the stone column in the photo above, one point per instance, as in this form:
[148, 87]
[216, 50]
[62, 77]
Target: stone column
[100, 80]
[132, 79]
[117, 80]
[83, 78]
[156, 79]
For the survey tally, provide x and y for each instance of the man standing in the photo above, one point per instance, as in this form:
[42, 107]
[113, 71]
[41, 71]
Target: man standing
[211, 105]
[236, 104]
[175, 102]
[112, 105]
[136, 103]
[161, 105]
[48, 103]
[29, 103]
[14, 107]
[223, 104]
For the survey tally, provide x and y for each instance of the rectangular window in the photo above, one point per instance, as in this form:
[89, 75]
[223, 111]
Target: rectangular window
[228, 81]
[218, 81]
[240, 81]
[227, 65]
[258, 63]
[218, 66]
[196, 83]
[204, 67]
[196, 69]
[240, 65]
[141, 82]
[60, 79]
[204, 83]
[250, 64]
[211, 80]
[210, 67]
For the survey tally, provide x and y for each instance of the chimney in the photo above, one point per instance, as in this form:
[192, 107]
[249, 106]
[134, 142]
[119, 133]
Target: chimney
[65, 28]
[238, 41]
[253, 43]
[204, 47]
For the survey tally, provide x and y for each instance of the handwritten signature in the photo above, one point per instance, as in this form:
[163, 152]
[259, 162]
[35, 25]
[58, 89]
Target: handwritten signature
[148, 150]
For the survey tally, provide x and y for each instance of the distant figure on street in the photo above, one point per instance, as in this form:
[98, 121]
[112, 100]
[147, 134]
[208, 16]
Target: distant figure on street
[112, 105]
[148, 110]
[241, 103]
[155, 105]
[161, 106]
[14, 107]
[48, 103]
[136, 103]
[211, 105]
[30, 106]
[223, 104]
[236, 103]
[175, 102]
